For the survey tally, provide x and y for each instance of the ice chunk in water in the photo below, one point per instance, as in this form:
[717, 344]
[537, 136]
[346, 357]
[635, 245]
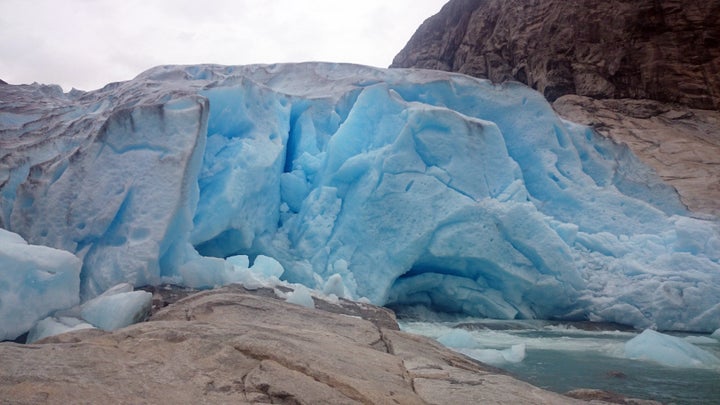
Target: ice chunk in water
[669, 351]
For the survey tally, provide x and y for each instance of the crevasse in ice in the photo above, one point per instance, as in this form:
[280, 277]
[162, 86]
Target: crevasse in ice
[408, 187]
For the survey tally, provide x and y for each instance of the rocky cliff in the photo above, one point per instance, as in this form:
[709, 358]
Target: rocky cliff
[665, 50]
[645, 73]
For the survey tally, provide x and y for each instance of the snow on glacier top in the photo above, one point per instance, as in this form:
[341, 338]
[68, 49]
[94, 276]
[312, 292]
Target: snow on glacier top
[411, 187]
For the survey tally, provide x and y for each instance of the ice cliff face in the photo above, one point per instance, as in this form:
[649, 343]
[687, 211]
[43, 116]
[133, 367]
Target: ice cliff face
[645, 73]
[404, 186]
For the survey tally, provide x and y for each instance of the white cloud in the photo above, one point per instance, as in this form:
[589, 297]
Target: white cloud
[86, 44]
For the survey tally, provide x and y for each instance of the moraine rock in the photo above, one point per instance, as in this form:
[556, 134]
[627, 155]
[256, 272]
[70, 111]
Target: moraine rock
[234, 346]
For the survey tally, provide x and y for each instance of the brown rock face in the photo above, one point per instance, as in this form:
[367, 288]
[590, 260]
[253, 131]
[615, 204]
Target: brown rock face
[665, 50]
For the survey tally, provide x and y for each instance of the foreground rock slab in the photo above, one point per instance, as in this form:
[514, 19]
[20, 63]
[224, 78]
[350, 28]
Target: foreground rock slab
[230, 345]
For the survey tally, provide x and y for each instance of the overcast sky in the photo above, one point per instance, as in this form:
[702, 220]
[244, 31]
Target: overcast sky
[89, 43]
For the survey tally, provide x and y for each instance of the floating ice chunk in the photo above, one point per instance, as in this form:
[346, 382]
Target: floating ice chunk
[464, 342]
[117, 308]
[669, 351]
[716, 334]
[515, 354]
[700, 340]
[300, 296]
[52, 326]
[458, 338]
[34, 282]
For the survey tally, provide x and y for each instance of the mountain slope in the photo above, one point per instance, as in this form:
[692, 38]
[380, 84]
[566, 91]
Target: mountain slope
[662, 50]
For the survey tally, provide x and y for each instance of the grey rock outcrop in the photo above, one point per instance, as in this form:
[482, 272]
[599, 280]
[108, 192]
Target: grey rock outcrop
[667, 50]
[645, 73]
[233, 346]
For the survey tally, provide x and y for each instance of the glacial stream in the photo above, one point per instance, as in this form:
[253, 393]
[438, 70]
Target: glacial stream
[565, 356]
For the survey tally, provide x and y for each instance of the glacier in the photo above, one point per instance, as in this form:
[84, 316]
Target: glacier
[407, 187]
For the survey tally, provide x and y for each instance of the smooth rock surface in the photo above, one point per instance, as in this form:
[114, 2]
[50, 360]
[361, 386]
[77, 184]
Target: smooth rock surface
[232, 346]
[682, 144]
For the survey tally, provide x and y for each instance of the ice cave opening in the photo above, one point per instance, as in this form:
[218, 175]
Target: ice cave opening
[435, 285]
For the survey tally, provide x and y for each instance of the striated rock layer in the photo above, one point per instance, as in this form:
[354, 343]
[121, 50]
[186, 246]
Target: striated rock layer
[234, 346]
[656, 63]
[665, 50]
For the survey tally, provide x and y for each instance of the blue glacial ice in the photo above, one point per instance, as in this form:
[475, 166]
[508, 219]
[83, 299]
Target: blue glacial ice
[52, 325]
[669, 351]
[408, 187]
[117, 307]
[465, 342]
[301, 296]
[34, 282]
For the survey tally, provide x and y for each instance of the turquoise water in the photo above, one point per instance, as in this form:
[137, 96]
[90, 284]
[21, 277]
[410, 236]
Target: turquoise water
[566, 356]
[564, 371]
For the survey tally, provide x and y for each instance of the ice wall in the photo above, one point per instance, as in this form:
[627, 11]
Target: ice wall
[408, 187]
[34, 281]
